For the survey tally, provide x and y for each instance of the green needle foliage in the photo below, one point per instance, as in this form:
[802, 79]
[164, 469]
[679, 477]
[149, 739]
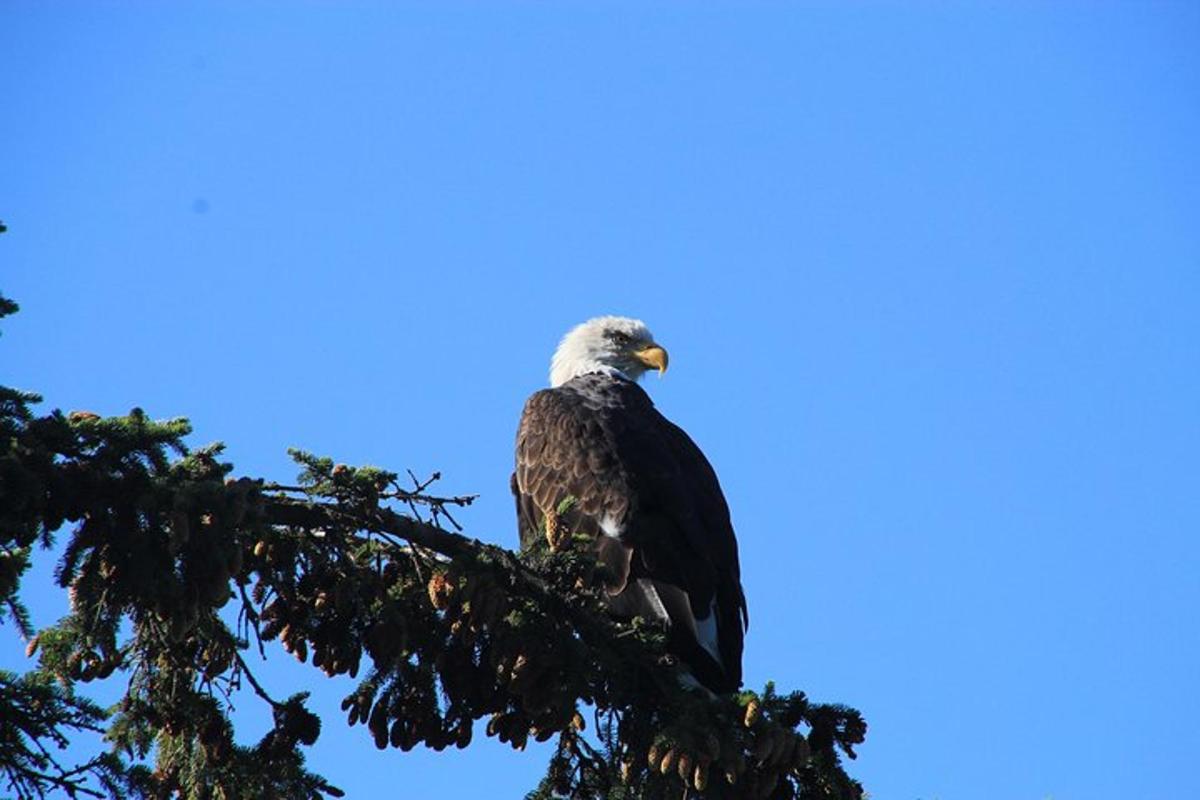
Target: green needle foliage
[176, 570]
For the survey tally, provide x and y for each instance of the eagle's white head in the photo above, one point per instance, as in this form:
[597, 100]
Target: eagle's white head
[612, 345]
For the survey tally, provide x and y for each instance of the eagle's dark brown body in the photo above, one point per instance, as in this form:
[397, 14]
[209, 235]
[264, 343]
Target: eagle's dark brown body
[650, 498]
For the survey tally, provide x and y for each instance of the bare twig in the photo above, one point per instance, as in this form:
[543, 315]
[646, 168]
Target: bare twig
[244, 668]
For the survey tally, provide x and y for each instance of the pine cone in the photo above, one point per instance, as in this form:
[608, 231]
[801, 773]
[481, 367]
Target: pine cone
[654, 756]
[752, 713]
[684, 767]
[439, 591]
[700, 777]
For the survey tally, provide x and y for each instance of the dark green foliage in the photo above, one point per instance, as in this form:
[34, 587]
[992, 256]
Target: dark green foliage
[37, 716]
[357, 574]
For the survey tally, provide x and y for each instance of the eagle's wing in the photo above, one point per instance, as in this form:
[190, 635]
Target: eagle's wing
[710, 531]
[651, 499]
[564, 453]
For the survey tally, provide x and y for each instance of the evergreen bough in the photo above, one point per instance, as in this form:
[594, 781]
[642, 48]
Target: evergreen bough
[179, 575]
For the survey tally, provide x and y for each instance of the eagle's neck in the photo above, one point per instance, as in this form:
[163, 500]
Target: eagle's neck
[560, 376]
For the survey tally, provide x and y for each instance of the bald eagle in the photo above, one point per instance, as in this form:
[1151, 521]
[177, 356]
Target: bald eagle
[595, 456]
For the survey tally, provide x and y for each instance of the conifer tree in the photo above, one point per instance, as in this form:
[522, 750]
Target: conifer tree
[177, 570]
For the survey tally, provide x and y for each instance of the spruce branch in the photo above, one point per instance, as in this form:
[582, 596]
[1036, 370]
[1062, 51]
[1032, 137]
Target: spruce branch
[39, 715]
[344, 570]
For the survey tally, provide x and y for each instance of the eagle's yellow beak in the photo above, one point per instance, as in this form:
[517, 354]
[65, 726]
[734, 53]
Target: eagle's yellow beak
[653, 356]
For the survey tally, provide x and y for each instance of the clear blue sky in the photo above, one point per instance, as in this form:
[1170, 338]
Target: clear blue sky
[929, 276]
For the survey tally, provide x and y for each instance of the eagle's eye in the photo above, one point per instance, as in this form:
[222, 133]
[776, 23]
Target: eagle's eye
[620, 338]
